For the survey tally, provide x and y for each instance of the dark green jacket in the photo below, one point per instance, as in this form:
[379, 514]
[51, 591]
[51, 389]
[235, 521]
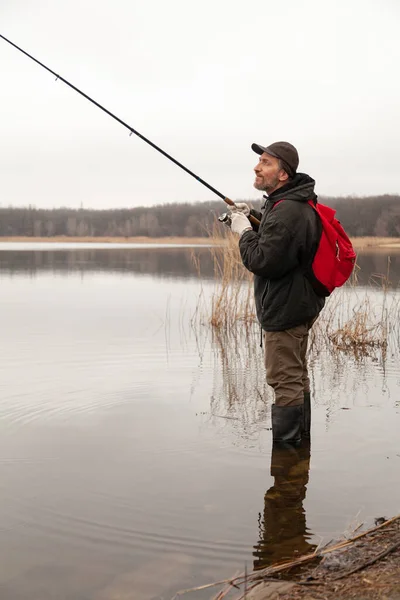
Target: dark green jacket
[280, 253]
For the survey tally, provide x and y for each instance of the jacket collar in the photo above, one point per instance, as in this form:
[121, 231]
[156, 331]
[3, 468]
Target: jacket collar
[300, 189]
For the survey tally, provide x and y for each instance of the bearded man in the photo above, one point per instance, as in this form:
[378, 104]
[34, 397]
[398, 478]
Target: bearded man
[280, 252]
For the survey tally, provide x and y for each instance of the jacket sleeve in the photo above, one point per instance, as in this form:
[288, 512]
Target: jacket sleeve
[271, 253]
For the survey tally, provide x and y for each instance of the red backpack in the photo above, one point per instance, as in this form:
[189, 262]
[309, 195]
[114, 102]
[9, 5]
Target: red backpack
[334, 258]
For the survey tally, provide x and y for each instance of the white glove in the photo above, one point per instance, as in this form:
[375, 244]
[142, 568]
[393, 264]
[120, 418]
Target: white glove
[242, 207]
[240, 223]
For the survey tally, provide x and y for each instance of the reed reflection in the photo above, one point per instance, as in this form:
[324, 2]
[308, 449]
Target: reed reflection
[282, 524]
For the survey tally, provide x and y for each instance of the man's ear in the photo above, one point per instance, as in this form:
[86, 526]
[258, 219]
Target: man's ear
[283, 176]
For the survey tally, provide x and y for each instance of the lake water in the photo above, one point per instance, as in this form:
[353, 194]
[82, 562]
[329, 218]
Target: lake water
[135, 446]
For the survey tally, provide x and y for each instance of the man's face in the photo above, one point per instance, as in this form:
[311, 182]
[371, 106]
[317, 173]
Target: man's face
[269, 174]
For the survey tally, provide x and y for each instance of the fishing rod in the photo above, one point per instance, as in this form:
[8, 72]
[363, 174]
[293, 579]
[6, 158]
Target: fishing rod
[130, 129]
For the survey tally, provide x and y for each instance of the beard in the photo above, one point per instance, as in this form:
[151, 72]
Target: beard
[266, 186]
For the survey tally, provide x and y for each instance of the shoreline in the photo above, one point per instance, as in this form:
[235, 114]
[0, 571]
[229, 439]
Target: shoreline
[362, 567]
[360, 244]
[107, 240]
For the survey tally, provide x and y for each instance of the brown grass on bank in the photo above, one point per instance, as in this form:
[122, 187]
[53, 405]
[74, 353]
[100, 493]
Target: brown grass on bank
[353, 325]
[374, 243]
[359, 243]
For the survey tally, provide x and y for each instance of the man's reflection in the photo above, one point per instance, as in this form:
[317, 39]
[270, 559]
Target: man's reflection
[283, 532]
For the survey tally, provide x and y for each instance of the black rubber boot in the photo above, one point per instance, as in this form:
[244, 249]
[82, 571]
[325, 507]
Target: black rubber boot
[287, 424]
[306, 415]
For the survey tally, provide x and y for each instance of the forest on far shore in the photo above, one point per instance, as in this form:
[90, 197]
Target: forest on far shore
[361, 216]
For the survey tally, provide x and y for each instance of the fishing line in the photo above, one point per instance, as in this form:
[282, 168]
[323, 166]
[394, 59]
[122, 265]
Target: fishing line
[130, 129]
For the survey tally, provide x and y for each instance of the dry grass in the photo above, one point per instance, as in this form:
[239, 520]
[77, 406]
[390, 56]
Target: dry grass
[359, 243]
[361, 322]
[360, 329]
[358, 323]
[359, 335]
[233, 300]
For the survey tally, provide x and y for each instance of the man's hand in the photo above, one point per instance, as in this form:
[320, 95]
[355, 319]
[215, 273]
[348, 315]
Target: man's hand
[242, 207]
[240, 223]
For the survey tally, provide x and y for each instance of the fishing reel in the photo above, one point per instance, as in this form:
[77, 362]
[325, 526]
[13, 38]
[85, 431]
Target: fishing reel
[226, 219]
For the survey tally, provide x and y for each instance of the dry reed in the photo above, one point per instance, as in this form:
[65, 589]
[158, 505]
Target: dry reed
[233, 299]
[358, 322]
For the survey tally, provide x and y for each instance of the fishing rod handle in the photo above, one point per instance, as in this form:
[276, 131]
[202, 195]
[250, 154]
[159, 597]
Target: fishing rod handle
[252, 219]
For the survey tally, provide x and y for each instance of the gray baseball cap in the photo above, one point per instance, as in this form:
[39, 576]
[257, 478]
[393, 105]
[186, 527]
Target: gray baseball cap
[286, 152]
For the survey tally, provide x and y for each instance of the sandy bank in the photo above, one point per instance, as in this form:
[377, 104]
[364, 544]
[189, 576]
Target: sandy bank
[108, 240]
[364, 244]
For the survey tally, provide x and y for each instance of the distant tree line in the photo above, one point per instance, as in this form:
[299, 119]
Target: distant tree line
[377, 216]
[188, 220]
[361, 216]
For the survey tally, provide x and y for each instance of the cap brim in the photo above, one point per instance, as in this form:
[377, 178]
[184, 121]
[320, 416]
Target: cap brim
[260, 150]
[257, 148]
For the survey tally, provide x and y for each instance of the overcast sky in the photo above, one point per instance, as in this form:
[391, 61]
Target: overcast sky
[203, 80]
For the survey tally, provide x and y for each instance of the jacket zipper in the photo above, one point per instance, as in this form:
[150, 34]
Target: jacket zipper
[264, 294]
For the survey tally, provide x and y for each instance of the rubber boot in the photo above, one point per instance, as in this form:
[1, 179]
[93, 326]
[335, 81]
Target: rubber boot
[306, 416]
[287, 424]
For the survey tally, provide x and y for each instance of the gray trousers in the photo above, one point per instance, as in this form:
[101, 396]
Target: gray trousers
[286, 364]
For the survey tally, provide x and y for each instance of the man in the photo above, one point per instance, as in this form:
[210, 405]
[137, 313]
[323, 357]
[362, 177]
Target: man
[279, 252]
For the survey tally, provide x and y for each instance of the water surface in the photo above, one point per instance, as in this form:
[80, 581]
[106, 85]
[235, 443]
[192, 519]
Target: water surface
[136, 446]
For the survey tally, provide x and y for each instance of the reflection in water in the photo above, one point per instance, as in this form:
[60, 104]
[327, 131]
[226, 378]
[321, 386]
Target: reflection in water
[283, 530]
[240, 390]
[377, 266]
[161, 262]
[373, 267]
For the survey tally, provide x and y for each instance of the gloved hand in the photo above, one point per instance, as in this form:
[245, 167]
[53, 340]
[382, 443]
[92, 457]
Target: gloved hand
[242, 207]
[240, 223]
